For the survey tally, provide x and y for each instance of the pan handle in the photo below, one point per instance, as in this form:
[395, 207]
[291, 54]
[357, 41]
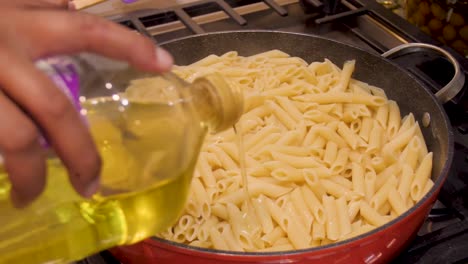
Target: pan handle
[449, 91]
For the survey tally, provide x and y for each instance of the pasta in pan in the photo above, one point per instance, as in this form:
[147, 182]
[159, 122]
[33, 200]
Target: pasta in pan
[327, 158]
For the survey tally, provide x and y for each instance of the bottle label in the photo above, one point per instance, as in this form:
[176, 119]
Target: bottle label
[64, 72]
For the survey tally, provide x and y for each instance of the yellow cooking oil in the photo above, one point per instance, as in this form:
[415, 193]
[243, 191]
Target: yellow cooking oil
[148, 160]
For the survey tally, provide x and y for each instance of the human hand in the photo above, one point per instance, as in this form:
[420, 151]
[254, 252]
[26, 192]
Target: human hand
[61, 4]
[30, 102]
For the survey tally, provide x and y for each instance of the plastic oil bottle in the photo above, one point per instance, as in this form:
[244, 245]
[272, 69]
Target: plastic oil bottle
[148, 129]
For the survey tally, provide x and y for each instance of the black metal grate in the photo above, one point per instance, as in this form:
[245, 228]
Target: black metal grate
[184, 13]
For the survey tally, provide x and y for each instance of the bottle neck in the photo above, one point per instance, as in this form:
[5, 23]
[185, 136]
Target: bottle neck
[218, 102]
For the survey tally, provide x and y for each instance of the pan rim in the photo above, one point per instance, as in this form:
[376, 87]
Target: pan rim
[435, 189]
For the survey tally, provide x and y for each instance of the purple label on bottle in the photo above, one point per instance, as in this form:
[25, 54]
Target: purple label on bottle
[65, 74]
[72, 82]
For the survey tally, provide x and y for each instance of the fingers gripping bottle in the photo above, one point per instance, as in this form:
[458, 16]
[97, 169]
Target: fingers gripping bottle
[148, 129]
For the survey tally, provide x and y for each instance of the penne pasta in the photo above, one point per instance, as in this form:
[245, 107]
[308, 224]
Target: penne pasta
[226, 232]
[220, 211]
[341, 160]
[318, 231]
[406, 179]
[285, 119]
[371, 215]
[290, 174]
[277, 215]
[342, 181]
[344, 221]
[338, 190]
[340, 97]
[300, 205]
[332, 222]
[313, 204]
[423, 149]
[389, 150]
[206, 172]
[381, 196]
[412, 152]
[217, 239]
[318, 116]
[329, 134]
[394, 118]
[345, 76]
[296, 162]
[381, 116]
[375, 139]
[396, 201]
[274, 235]
[262, 214]
[201, 197]
[297, 233]
[355, 126]
[366, 128]
[327, 158]
[225, 160]
[336, 111]
[369, 184]
[353, 209]
[421, 176]
[358, 179]
[348, 135]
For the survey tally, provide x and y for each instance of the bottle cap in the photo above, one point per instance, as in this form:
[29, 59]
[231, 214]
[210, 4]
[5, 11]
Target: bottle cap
[230, 98]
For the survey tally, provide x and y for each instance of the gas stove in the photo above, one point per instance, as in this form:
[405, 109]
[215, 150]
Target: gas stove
[363, 23]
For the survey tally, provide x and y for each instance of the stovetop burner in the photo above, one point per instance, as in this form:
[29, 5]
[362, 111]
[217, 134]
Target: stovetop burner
[363, 23]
